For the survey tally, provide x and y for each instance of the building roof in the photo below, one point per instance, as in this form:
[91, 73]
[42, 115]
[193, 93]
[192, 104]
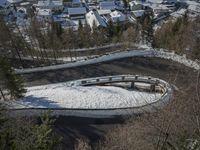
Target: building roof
[159, 7]
[117, 16]
[49, 3]
[77, 11]
[107, 5]
[14, 1]
[138, 13]
[178, 13]
[44, 12]
[76, 1]
[104, 11]
[194, 8]
[155, 1]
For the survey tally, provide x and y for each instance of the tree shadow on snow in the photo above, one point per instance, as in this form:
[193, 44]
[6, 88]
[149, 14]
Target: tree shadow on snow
[39, 102]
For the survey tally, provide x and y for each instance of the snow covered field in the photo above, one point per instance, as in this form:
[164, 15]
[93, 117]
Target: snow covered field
[62, 95]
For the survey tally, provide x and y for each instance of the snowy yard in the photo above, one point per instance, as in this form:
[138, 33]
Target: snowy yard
[62, 95]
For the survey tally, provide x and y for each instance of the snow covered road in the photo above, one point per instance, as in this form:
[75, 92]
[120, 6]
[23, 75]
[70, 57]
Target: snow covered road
[117, 55]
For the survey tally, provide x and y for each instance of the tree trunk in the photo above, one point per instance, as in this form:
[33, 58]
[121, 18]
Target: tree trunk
[2, 94]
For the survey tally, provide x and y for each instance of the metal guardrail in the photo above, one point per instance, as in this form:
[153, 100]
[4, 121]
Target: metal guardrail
[149, 107]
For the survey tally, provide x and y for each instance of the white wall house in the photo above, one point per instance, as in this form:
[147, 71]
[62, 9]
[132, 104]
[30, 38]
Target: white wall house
[93, 18]
[117, 16]
[44, 14]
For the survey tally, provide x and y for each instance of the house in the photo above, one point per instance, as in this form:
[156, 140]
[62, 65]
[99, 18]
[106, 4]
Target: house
[170, 1]
[72, 3]
[155, 1]
[159, 9]
[67, 24]
[107, 5]
[92, 6]
[117, 16]
[60, 18]
[93, 18]
[193, 8]
[21, 12]
[14, 1]
[179, 13]
[55, 5]
[44, 15]
[105, 14]
[138, 13]
[77, 13]
[4, 7]
[138, 5]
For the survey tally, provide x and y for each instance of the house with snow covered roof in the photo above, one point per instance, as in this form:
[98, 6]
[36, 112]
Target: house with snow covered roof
[93, 18]
[59, 18]
[44, 15]
[67, 24]
[21, 12]
[193, 8]
[14, 1]
[159, 9]
[104, 13]
[138, 5]
[77, 13]
[162, 1]
[154, 1]
[117, 16]
[179, 13]
[54, 5]
[72, 3]
[138, 13]
[107, 5]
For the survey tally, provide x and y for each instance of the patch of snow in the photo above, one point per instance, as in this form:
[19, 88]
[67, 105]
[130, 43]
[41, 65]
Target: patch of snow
[62, 95]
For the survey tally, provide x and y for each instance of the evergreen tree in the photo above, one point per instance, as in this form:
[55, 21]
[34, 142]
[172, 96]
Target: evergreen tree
[11, 82]
[110, 29]
[125, 4]
[19, 134]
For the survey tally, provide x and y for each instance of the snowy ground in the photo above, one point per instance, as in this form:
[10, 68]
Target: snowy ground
[118, 55]
[62, 95]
